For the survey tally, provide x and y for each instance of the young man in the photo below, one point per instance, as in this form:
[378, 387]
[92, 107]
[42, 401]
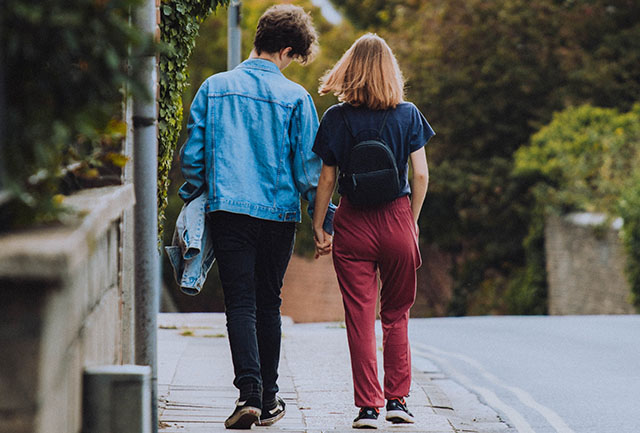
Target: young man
[251, 131]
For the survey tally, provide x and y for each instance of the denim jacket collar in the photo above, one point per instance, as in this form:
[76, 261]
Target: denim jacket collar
[262, 64]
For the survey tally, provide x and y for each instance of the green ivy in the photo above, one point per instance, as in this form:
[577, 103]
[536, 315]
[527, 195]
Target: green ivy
[179, 25]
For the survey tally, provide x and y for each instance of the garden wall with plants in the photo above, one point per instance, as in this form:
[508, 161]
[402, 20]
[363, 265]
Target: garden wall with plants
[587, 159]
[66, 72]
[66, 233]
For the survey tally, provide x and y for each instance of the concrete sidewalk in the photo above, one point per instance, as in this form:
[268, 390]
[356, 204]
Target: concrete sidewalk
[196, 393]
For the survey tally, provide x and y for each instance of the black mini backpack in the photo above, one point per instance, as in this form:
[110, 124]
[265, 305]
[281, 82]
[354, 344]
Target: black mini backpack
[370, 176]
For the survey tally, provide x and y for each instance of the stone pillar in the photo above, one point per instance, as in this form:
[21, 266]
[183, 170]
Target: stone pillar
[585, 262]
[117, 398]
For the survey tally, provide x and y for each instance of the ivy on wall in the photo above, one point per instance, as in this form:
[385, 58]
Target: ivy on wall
[179, 25]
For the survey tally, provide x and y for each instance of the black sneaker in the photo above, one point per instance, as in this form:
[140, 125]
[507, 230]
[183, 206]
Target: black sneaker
[398, 413]
[367, 418]
[246, 413]
[271, 415]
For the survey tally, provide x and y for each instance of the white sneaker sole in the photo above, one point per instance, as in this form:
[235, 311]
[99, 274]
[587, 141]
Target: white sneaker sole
[365, 423]
[270, 421]
[399, 417]
[244, 419]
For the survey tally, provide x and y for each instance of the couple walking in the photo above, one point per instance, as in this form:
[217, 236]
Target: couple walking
[254, 147]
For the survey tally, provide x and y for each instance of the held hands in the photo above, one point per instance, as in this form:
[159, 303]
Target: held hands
[323, 242]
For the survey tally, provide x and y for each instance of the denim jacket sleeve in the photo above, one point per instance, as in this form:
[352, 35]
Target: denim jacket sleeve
[306, 164]
[192, 152]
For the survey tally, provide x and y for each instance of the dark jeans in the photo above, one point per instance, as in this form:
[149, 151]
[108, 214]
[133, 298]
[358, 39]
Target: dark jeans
[252, 256]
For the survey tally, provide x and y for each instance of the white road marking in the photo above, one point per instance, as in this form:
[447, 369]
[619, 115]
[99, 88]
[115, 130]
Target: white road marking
[547, 413]
[516, 419]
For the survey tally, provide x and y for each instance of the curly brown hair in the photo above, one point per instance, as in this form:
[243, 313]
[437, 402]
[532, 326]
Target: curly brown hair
[283, 26]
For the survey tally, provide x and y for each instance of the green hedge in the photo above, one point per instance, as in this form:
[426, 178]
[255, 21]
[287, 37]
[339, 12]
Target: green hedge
[588, 159]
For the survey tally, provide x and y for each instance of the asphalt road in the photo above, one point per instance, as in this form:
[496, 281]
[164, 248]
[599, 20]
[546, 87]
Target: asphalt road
[565, 374]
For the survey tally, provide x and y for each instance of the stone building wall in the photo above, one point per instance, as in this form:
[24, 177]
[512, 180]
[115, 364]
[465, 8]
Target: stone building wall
[585, 263]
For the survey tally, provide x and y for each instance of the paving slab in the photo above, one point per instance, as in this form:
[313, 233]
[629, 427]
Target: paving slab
[196, 394]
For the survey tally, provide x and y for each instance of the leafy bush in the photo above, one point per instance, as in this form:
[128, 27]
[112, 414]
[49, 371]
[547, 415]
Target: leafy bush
[588, 159]
[65, 65]
[629, 210]
[585, 156]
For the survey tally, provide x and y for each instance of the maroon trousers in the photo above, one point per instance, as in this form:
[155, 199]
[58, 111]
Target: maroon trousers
[366, 241]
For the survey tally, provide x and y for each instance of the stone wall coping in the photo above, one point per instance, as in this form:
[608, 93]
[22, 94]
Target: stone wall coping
[590, 219]
[128, 372]
[51, 253]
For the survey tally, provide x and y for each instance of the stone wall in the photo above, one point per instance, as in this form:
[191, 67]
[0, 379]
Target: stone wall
[61, 310]
[585, 263]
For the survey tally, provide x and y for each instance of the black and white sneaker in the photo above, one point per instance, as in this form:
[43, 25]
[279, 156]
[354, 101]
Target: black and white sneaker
[398, 413]
[367, 418]
[246, 414]
[271, 415]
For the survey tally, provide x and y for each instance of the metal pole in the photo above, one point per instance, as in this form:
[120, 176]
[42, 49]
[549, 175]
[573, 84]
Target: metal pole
[145, 178]
[234, 34]
[3, 114]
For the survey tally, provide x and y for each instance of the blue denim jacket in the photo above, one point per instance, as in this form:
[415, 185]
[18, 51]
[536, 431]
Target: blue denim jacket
[251, 131]
[191, 252]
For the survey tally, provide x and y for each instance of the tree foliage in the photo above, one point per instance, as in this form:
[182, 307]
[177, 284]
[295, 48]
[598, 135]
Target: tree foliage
[372, 14]
[209, 56]
[488, 74]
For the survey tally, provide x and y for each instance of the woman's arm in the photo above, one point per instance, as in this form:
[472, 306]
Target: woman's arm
[326, 185]
[419, 181]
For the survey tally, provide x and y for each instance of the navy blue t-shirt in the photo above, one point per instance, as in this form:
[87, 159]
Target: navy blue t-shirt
[405, 131]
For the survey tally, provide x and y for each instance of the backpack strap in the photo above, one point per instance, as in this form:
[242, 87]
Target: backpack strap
[384, 121]
[346, 122]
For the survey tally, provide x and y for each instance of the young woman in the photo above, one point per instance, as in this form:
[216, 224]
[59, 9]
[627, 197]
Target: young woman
[383, 238]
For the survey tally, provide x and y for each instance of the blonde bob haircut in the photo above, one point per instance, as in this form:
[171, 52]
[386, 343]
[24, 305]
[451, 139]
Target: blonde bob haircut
[367, 75]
